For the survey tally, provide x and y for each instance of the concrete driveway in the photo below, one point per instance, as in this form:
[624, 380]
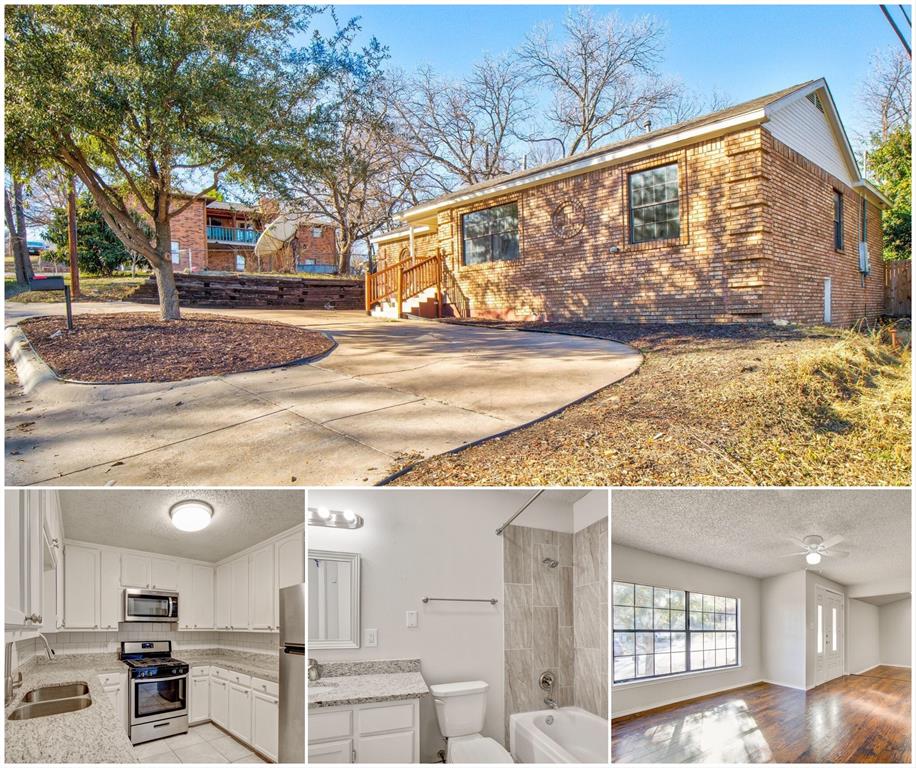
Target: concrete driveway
[390, 391]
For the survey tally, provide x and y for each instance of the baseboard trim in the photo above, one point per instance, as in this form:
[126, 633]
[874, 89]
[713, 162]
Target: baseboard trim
[888, 664]
[710, 692]
[867, 669]
[785, 685]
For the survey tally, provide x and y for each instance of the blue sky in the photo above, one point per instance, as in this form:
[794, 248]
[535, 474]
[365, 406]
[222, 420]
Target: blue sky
[740, 51]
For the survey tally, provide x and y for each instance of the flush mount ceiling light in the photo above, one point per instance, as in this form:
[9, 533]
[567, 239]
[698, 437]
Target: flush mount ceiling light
[332, 518]
[191, 515]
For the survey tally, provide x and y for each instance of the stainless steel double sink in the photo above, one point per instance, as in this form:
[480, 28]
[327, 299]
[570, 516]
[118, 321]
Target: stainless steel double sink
[53, 700]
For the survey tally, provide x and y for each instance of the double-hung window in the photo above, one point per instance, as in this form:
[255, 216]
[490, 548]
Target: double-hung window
[654, 204]
[837, 220]
[659, 631]
[490, 234]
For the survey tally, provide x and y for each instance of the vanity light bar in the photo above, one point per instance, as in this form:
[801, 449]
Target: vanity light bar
[332, 518]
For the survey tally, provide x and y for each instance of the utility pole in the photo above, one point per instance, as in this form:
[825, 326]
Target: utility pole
[71, 239]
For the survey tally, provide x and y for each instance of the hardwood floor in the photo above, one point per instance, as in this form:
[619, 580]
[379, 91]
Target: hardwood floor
[853, 719]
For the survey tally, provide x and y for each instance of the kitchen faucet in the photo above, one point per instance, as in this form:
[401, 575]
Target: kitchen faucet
[314, 670]
[47, 647]
[13, 681]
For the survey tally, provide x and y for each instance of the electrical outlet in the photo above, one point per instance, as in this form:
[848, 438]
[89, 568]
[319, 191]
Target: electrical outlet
[371, 638]
[411, 619]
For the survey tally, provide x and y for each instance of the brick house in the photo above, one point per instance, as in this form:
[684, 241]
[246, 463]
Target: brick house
[754, 213]
[218, 236]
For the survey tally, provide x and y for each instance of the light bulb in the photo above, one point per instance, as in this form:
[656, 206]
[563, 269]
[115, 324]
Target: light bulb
[349, 516]
[812, 558]
[190, 516]
[324, 513]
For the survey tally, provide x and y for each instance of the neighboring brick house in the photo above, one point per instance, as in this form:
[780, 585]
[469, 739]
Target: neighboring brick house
[218, 236]
[753, 213]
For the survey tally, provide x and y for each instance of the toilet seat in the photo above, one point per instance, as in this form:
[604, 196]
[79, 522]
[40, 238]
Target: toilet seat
[476, 749]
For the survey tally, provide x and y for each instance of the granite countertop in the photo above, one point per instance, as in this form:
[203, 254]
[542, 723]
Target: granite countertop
[366, 682]
[91, 735]
[263, 665]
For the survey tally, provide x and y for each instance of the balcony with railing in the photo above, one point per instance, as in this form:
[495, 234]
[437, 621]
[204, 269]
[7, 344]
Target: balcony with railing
[232, 235]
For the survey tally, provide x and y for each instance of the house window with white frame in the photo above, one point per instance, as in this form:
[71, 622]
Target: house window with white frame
[490, 234]
[654, 204]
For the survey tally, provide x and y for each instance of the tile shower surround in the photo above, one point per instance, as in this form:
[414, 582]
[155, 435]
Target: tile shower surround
[556, 618]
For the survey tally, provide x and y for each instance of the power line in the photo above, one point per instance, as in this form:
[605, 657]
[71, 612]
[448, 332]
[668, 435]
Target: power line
[890, 19]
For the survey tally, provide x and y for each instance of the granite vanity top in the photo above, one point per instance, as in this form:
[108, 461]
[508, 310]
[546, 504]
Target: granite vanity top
[91, 735]
[263, 665]
[366, 683]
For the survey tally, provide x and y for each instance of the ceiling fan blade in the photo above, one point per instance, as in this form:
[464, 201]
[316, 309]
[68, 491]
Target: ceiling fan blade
[793, 554]
[832, 542]
[796, 541]
[835, 553]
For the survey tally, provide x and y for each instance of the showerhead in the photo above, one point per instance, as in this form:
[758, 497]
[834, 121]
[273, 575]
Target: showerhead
[550, 562]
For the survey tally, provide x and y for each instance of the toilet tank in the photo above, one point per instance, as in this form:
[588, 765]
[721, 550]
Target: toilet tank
[460, 707]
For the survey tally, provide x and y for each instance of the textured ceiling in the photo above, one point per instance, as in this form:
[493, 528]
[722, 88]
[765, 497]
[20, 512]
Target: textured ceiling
[745, 531]
[884, 599]
[139, 519]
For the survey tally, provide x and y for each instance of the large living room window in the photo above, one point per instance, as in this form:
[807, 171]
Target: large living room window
[660, 632]
[490, 234]
[654, 204]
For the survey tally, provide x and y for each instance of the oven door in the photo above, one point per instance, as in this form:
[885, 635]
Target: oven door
[146, 605]
[158, 699]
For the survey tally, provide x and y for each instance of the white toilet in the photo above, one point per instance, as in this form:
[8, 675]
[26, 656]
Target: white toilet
[460, 709]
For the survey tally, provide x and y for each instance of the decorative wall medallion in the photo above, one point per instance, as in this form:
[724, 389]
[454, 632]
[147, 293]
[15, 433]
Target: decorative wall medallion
[567, 219]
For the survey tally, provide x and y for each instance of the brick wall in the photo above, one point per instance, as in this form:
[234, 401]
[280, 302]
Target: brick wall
[734, 261]
[800, 243]
[322, 249]
[189, 230]
[424, 246]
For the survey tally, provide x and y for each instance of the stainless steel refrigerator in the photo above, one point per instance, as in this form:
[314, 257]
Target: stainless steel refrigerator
[292, 674]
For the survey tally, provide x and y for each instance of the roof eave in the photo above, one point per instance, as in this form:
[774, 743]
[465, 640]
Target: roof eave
[574, 168]
[869, 188]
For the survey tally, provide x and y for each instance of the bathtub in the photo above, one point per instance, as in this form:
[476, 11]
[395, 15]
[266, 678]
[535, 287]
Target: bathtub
[565, 735]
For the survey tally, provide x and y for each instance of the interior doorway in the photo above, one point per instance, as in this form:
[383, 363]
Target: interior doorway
[830, 656]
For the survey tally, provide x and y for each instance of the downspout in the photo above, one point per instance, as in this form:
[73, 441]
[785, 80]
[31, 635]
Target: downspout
[410, 235]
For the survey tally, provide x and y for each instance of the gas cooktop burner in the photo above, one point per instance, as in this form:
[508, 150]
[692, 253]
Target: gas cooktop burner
[139, 663]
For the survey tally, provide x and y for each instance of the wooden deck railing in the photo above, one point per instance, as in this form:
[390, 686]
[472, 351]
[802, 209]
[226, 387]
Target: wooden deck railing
[405, 279]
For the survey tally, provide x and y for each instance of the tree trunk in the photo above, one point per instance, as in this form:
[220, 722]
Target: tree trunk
[18, 241]
[165, 277]
[344, 252]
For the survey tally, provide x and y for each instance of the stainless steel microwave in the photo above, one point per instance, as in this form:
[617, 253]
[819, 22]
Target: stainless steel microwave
[150, 605]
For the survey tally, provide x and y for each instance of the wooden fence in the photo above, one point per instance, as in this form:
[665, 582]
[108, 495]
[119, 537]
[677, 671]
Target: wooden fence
[898, 287]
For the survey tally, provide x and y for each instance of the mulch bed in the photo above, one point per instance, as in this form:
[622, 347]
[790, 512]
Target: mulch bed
[139, 347]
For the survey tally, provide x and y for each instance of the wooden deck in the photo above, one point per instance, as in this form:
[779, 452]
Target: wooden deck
[852, 719]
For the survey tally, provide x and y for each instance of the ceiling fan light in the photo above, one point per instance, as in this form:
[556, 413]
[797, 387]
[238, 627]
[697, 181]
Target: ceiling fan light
[190, 516]
[812, 558]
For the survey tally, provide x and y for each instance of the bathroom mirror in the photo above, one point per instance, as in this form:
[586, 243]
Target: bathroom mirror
[333, 582]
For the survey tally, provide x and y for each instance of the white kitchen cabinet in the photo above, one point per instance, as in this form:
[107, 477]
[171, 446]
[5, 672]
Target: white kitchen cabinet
[289, 558]
[240, 711]
[52, 522]
[238, 596]
[223, 617]
[110, 600]
[202, 596]
[386, 732]
[219, 700]
[185, 596]
[199, 705]
[261, 588]
[81, 587]
[163, 573]
[115, 687]
[265, 723]
[135, 571]
[23, 564]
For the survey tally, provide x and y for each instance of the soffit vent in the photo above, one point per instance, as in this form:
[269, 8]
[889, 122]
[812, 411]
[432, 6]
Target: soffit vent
[815, 100]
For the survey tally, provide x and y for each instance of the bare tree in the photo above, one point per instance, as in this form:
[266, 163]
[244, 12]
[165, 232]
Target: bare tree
[602, 76]
[463, 132]
[886, 93]
[687, 105]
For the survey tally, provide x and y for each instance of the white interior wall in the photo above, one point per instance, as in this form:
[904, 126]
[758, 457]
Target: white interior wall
[783, 628]
[440, 543]
[895, 630]
[590, 509]
[812, 580]
[862, 636]
[634, 565]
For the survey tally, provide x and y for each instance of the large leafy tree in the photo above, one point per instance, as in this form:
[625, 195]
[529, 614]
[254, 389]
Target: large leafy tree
[151, 106]
[98, 249]
[891, 162]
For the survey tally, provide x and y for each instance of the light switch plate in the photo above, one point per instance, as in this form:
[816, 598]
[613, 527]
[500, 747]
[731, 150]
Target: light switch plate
[411, 619]
[371, 638]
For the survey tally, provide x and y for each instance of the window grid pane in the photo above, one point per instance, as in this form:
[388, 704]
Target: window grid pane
[660, 631]
[654, 204]
[490, 234]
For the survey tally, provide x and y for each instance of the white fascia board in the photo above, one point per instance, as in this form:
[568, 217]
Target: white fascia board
[871, 190]
[392, 236]
[653, 146]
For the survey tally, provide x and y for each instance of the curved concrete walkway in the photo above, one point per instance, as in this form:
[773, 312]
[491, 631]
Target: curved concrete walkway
[390, 391]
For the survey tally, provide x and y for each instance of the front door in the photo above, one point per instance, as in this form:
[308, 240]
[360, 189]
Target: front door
[831, 637]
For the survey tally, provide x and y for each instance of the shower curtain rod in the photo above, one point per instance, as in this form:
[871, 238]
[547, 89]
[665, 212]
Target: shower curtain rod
[499, 531]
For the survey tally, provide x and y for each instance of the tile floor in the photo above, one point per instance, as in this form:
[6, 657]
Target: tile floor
[202, 744]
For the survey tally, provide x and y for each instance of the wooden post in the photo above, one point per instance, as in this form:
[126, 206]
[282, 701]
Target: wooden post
[71, 239]
[368, 303]
[400, 293]
[439, 287]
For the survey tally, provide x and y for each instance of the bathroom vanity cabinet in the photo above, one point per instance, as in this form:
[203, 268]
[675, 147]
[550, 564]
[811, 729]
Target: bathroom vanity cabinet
[380, 732]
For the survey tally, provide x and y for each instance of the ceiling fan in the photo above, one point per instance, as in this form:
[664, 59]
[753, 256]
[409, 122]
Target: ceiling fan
[815, 547]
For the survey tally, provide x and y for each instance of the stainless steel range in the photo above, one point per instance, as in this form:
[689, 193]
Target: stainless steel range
[158, 695]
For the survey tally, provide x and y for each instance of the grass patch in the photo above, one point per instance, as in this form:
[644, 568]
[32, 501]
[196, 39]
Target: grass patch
[716, 405]
[114, 288]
